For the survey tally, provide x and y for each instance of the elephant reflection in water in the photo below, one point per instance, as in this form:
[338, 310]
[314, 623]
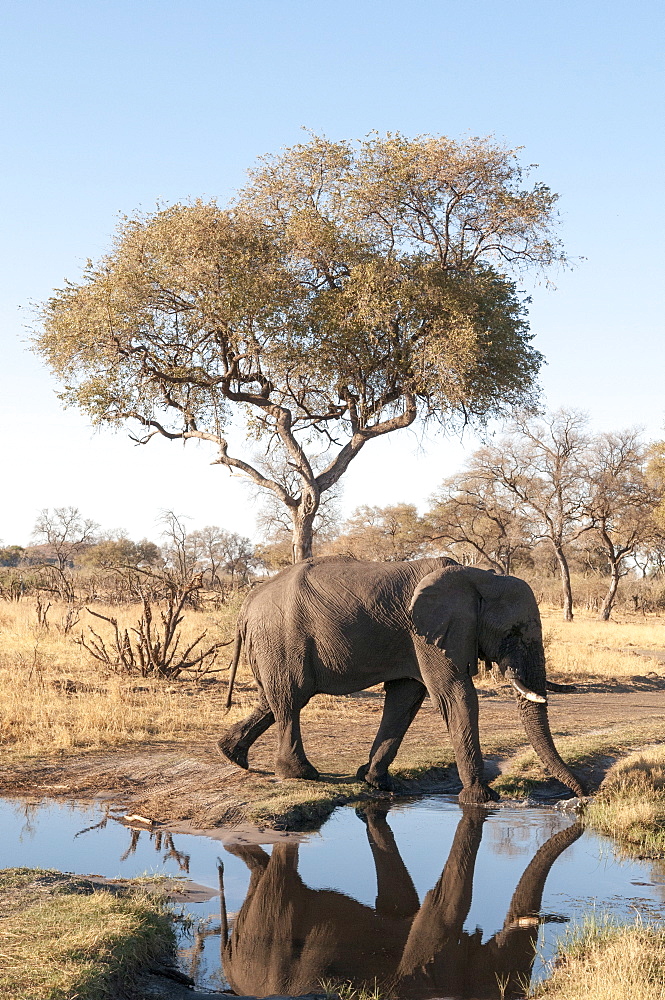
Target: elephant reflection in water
[287, 938]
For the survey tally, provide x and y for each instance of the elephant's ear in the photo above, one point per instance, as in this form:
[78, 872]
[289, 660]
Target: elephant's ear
[444, 611]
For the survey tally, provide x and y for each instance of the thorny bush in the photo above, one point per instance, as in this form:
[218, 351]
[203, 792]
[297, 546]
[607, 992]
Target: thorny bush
[153, 648]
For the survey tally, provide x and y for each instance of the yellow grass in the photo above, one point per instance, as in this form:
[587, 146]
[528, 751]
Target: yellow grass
[605, 962]
[587, 648]
[631, 803]
[56, 697]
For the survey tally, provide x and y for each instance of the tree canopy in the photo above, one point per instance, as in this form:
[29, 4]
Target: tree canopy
[350, 288]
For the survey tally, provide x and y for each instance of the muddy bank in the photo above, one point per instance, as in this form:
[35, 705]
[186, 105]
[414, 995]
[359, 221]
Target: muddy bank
[194, 788]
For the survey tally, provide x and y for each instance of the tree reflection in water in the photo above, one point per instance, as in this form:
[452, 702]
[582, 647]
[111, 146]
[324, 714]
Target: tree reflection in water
[287, 938]
[161, 841]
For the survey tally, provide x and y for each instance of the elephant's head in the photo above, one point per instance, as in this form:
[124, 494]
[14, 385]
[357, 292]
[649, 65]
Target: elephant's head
[473, 613]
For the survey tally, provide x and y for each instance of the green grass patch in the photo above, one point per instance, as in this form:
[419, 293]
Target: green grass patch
[61, 937]
[514, 786]
[302, 805]
[588, 752]
[305, 805]
[423, 767]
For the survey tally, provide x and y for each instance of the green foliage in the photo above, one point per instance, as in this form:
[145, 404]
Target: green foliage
[113, 553]
[352, 288]
[11, 555]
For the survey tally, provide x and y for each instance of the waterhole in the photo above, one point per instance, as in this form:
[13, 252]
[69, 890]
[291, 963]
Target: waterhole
[422, 900]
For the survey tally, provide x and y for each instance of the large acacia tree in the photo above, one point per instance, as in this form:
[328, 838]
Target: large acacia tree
[350, 289]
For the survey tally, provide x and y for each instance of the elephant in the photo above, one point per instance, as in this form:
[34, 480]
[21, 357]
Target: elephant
[287, 938]
[337, 625]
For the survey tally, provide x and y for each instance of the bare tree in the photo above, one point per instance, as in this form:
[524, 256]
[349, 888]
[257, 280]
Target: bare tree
[66, 534]
[208, 551]
[391, 534]
[473, 515]
[649, 555]
[206, 547]
[239, 557]
[541, 466]
[180, 554]
[621, 503]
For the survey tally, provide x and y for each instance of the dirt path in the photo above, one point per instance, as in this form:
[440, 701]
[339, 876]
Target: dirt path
[196, 788]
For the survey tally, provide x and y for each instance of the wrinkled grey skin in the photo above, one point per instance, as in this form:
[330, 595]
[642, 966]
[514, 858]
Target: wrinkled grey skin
[287, 938]
[336, 625]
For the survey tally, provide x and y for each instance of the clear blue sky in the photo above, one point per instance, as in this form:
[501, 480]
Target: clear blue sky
[111, 105]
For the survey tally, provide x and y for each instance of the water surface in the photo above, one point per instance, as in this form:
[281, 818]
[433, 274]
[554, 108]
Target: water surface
[428, 899]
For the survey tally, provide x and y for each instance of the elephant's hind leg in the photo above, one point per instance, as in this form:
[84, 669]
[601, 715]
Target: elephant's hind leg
[403, 699]
[237, 740]
[287, 701]
[291, 761]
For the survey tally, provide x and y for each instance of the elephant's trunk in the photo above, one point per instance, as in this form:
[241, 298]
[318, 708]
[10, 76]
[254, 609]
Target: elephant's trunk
[537, 728]
[528, 894]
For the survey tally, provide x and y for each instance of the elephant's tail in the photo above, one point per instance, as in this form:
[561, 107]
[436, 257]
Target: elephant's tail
[234, 667]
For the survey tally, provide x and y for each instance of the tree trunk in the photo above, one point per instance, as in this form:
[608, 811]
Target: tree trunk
[608, 603]
[302, 535]
[565, 584]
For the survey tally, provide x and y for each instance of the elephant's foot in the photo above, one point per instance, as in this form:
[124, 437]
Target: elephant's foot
[477, 794]
[233, 752]
[382, 781]
[296, 769]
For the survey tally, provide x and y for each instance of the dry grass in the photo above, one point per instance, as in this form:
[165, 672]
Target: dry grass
[604, 961]
[57, 698]
[59, 939]
[588, 649]
[631, 803]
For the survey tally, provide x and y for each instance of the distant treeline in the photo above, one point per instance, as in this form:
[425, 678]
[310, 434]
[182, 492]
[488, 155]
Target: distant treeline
[548, 500]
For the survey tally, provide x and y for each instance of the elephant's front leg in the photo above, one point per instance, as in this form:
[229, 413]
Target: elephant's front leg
[458, 704]
[402, 701]
[396, 895]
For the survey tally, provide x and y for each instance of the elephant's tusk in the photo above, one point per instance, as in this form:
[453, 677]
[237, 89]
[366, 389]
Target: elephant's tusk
[526, 693]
